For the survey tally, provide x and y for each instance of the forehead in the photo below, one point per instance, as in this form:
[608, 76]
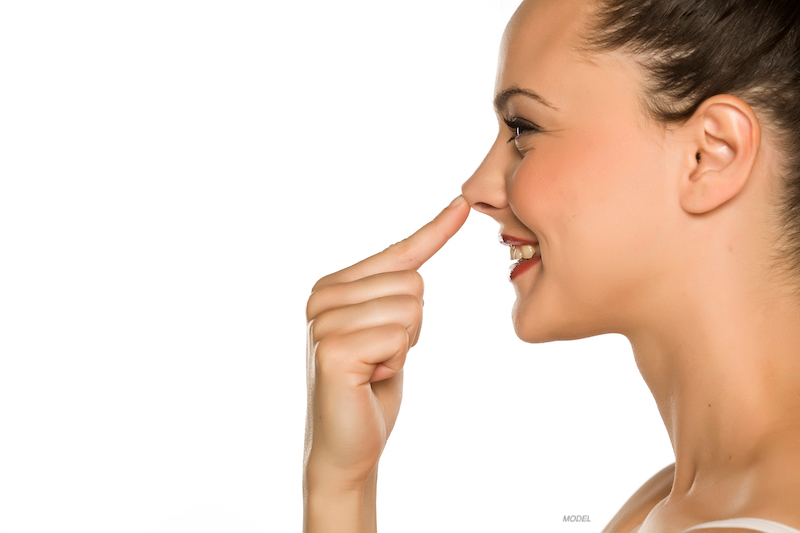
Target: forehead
[540, 38]
[543, 50]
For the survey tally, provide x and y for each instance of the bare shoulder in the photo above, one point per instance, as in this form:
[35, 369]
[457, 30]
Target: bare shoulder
[638, 506]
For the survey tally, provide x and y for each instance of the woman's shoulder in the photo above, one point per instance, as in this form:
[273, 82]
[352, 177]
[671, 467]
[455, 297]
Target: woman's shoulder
[632, 515]
[638, 506]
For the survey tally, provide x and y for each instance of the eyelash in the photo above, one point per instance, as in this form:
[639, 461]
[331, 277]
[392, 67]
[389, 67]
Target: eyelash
[520, 126]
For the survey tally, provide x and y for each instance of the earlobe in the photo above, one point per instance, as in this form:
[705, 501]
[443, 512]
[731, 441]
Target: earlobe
[726, 135]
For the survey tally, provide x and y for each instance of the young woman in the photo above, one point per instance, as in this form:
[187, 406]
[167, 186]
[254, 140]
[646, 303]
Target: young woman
[647, 176]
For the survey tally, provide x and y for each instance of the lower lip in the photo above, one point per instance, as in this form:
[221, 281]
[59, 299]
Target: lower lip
[520, 268]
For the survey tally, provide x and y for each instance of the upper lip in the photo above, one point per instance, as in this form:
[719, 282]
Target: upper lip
[510, 240]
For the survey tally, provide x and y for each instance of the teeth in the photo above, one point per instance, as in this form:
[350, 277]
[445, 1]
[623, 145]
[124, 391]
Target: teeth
[526, 251]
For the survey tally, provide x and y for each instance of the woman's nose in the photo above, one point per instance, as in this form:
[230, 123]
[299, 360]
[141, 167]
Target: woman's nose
[485, 190]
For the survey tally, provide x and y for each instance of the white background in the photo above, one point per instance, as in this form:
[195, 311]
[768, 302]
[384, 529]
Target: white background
[174, 177]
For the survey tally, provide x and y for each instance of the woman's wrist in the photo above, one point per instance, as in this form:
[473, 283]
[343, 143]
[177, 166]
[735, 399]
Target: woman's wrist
[336, 505]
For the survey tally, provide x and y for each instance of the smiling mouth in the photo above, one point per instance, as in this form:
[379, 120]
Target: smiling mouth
[526, 253]
[521, 249]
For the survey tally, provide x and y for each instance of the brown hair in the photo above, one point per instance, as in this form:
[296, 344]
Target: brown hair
[692, 50]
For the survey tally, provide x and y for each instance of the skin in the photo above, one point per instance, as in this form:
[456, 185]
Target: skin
[362, 322]
[637, 237]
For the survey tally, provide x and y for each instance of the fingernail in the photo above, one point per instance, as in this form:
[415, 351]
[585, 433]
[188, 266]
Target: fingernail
[460, 198]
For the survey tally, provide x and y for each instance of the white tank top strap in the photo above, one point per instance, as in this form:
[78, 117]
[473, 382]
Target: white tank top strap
[755, 524]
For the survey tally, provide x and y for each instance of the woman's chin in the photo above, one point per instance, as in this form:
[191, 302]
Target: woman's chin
[529, 326]
[537, 324]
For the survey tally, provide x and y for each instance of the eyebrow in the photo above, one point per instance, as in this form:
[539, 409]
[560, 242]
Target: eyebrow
[503, 96]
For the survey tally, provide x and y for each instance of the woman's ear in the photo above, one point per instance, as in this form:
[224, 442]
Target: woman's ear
[726, 137]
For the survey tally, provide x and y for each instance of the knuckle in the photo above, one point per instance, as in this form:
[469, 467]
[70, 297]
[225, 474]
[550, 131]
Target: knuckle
[310, 308]
[415, 340]
[323, 282]
[318, 285]
[398, 336]
[412, 308]
[314, 303]
[401, 253]
[327, 352]
[413, 283]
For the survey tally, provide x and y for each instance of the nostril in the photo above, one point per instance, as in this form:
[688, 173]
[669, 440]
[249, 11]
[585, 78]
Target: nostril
[483, 207]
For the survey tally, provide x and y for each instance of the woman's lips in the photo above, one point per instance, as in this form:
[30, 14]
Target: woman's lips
[519, 268]
[510, 240]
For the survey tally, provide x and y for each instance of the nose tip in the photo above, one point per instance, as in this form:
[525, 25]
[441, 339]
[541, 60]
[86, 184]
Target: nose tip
[485, 190]
[466, 193]
[470, 189]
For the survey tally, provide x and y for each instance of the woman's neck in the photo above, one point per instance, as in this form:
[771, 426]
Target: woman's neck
[724, 369]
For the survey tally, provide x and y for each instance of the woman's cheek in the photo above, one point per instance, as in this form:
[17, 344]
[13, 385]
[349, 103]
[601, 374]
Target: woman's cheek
[540, 192]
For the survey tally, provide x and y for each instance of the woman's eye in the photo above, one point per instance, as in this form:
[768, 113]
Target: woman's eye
[520, 127]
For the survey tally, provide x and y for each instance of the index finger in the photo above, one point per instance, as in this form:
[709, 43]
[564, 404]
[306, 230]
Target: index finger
[410, 253]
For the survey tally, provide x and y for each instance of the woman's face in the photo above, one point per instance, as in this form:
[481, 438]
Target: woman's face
[582, 171]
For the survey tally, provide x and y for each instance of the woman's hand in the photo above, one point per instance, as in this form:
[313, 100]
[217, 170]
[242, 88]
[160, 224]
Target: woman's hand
[361, 323]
